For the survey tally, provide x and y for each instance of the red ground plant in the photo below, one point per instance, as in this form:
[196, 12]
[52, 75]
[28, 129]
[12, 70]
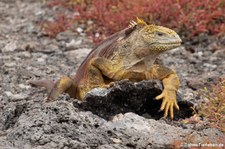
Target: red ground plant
[214, 107]
[189, 17]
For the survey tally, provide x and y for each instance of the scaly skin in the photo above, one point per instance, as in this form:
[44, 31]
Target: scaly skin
[128, 54]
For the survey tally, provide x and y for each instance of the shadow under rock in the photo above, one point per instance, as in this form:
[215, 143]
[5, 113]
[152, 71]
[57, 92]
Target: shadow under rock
[125, 96]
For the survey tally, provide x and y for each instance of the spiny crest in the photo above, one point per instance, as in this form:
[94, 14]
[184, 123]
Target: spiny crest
[138, 22]
[151, 28]
[132, 24]
[141, 22]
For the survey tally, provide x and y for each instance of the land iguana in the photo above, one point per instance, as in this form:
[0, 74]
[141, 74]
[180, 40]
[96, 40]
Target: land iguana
[127, 54]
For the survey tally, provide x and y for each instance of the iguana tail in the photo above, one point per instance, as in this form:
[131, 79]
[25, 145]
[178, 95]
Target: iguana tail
[48, 84]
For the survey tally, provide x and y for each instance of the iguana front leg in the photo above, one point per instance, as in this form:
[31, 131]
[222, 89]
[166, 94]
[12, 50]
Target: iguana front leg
[170, 82]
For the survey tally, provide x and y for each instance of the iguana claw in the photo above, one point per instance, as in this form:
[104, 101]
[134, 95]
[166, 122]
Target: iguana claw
[169, 102]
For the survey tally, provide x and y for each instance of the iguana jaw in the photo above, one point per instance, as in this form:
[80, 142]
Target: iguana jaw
[161, 47]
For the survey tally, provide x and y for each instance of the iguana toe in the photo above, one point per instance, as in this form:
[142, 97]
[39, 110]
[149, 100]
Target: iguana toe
[168, 103]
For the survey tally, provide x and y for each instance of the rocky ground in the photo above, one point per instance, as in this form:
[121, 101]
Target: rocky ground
[125, 116]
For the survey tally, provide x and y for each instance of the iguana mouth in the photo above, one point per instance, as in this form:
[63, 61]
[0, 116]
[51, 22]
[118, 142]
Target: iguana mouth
[174, 44]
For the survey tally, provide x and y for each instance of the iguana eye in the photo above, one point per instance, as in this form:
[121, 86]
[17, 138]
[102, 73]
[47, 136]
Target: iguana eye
[160, 33]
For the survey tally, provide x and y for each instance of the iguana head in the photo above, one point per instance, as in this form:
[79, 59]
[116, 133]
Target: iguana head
[156, 38]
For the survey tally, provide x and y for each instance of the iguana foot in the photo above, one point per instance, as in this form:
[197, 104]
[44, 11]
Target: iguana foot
[169, 102]
[64, 84]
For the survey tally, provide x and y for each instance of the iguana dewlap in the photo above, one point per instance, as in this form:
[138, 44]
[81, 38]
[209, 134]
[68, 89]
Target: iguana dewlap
[128, 54]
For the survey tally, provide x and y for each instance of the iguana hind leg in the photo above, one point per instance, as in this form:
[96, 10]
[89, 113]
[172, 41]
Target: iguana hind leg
[64, 84]
[93, 78]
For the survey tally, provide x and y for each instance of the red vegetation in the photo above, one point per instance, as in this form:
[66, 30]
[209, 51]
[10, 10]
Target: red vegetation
[52, 28]
[214, 108]
[189, 17]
